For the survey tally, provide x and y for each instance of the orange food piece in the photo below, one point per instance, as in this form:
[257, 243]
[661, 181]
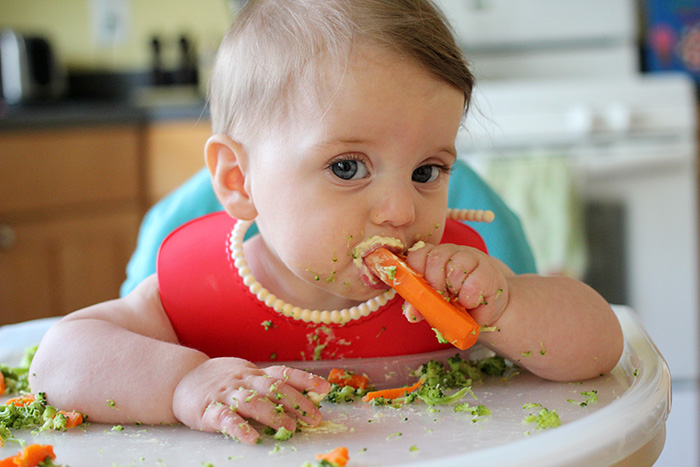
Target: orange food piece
[451, 319]
[21, 401]
[30, 456]
[344, 378]
[2, 384]
[338, 456]
[73, 418]
[392, 393]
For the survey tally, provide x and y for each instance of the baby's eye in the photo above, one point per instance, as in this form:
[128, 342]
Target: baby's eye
[426, 174]
[349, 169]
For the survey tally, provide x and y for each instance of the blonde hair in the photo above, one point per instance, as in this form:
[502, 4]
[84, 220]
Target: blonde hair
[275, 50]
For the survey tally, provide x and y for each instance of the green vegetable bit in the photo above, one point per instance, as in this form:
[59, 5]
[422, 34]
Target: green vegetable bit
[37, 415]
[544, 419]
[440, 338]
[591, 397]
[283, 434]
[342, 394]
[16, 377]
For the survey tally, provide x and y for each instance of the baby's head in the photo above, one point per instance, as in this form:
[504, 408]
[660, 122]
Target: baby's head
[281, 52]
[334, 121]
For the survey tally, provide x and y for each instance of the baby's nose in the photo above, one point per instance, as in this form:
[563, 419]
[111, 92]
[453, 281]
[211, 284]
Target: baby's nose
[395, 209]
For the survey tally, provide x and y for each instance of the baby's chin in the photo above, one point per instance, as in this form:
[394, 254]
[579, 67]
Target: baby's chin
[360, 293]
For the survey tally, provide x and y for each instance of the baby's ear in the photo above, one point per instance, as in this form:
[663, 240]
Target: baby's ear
[227, 161]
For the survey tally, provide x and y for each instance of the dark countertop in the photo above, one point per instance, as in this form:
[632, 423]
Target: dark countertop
[97, 112]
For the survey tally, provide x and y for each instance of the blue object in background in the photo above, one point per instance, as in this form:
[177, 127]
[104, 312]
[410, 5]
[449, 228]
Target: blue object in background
[672, 36]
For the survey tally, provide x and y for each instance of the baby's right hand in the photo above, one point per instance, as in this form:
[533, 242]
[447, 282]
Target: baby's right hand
[221, 393]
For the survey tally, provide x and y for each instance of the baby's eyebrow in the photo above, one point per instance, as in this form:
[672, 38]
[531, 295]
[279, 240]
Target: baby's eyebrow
[343, 140]
[450, 149]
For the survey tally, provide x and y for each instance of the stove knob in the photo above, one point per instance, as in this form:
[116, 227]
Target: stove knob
[618, 117]
[579, 120]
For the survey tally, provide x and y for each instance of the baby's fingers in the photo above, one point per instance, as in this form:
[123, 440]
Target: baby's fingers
[300, 380]
[411, 313]
[219, 417]
[253, 404]
[293, 385]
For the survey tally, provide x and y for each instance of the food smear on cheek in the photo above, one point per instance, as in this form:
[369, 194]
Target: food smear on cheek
[366, 246]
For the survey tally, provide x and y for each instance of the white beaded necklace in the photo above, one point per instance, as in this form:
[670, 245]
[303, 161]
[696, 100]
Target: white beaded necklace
[322, 316]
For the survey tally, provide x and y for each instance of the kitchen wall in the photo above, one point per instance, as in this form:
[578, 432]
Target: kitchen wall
[71, 25]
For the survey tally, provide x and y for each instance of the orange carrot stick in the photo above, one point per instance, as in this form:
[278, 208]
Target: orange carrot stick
[344, 378]
[451, 319]
[73, 418]
[21, 401]
[2, 384]
[392, 393]
[338, 456]
[30, 456]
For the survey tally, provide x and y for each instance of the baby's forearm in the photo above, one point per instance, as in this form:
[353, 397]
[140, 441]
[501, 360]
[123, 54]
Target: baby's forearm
[110, 373]
[557, 328]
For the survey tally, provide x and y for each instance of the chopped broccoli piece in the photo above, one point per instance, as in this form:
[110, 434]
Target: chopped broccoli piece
[340, 394]
[544, 419]
[591, 397]
[440, 338]
[283, 434]
[434, 395]
[16, 377]
[492, 366]
[477, 411]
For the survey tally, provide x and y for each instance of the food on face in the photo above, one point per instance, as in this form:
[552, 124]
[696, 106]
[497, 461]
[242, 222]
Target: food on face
[368, 245]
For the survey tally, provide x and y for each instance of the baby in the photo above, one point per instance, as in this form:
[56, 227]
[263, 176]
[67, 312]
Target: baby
[334, 121]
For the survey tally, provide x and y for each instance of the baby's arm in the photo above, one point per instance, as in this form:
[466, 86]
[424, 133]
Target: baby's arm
[120, 362]
[556, 327]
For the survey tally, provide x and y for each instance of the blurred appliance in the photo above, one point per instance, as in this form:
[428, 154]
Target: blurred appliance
[632, 145]
[527, 39]
[561, 78]
[29, 69]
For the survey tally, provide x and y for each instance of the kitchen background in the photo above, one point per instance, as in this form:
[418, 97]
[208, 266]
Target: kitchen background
[572, 99]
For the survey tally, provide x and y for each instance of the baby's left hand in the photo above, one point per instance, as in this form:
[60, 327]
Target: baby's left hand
[477, 280]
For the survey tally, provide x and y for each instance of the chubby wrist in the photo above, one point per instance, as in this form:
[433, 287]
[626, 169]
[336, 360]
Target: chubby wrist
[183, 400]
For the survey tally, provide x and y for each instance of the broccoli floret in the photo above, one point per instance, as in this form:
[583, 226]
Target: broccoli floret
[434, 395]
[283, 434]
[15, 379]
[432, 373]
[492, 366]
[463, 371]
[341, 394]
[544, 419]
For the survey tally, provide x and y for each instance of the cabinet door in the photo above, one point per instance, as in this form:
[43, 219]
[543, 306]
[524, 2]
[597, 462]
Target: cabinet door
[47, 172]
[51, 268]
[70, 204]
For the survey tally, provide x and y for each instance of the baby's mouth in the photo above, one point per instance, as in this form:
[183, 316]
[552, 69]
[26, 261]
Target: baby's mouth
[367, 246]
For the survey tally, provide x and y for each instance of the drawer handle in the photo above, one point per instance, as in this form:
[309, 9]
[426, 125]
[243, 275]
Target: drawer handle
[7, 236]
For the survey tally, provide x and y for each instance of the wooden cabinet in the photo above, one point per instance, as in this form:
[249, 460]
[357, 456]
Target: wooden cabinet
[70, 204]
[174, 151]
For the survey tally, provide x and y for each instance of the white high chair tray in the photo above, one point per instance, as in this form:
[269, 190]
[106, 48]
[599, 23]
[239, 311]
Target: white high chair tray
[626, 425]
